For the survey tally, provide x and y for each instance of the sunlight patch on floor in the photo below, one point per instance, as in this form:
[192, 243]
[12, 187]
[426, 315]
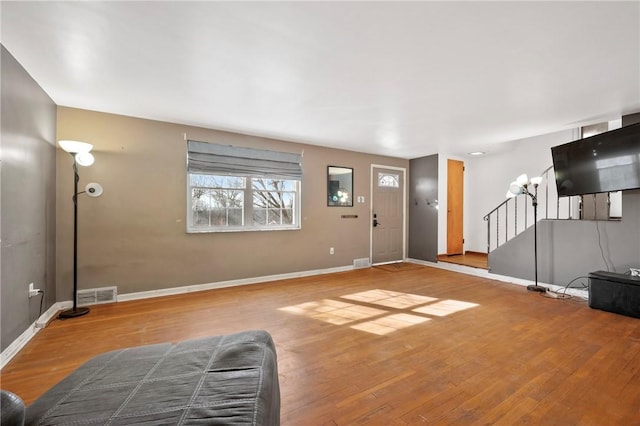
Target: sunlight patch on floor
[391, 299]
[389, 323]
[418, 310]
[334, 312]
[445, 307]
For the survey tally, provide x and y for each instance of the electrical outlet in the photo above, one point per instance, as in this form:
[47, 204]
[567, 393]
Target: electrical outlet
[33, 291]
[331, 251]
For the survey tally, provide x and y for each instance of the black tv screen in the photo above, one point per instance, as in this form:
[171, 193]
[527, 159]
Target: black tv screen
[606, 162]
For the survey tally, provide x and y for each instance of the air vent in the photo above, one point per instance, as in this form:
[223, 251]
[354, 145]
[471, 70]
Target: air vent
[361, 263]
[96, 296]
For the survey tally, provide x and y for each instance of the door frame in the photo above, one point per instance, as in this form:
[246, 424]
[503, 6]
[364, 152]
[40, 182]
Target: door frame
[403, 170]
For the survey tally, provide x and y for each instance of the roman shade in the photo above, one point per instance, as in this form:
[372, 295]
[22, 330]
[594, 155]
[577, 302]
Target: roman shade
[210, 158]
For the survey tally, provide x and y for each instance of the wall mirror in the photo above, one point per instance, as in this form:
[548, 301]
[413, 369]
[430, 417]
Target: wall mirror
[339, 186]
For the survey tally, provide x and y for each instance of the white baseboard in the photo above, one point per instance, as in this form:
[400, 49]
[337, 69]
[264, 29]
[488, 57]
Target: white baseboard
[22, 340]
[44, 319]
[231, 283]
[479, 272]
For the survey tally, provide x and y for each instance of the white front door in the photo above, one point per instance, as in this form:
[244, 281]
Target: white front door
[387, 219]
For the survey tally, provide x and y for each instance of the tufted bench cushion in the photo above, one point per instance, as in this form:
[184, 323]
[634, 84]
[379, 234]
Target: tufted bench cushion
[221, 380]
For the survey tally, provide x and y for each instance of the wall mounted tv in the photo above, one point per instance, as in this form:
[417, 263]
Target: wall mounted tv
[606, 162]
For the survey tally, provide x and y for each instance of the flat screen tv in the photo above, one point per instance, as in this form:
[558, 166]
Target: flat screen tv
[606, 162]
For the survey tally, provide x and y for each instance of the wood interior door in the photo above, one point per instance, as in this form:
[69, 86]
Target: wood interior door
[455, 207]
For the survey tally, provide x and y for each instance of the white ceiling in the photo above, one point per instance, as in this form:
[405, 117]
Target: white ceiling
[405, 79]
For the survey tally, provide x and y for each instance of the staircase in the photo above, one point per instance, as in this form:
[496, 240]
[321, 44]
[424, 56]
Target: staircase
[514, 215]
[569, 231]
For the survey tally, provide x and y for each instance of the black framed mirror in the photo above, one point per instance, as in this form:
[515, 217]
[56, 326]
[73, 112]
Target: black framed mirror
[339, 186]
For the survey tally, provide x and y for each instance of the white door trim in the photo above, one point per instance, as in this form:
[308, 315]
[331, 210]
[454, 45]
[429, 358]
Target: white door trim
[404, 207]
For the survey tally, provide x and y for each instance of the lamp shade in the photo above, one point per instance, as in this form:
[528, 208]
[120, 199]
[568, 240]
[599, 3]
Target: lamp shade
[522, 179]
[85, 158]
[75, 147]
[93, 189]
[510, 194]
[536, 180]
[515, 188]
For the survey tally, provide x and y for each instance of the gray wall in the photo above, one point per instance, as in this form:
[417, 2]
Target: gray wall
[423, 218]
[28, 197]
[571, 248]
[568, 249]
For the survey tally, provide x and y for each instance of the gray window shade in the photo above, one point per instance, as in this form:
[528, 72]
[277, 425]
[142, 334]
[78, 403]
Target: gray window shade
[209, 158]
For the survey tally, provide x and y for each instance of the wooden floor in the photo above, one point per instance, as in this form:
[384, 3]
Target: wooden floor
[470, 258]
[369, 346]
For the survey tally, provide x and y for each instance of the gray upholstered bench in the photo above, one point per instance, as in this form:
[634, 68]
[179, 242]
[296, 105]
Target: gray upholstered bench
[222, 380]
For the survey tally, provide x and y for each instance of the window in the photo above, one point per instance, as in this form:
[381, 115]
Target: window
[274, 202]
[242, 189]
[605, 205]
[388, 180]
[217, 201]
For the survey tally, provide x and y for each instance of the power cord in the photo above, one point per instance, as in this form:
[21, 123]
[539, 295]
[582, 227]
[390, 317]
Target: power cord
[600, 245]
[562, 293]
[41, 293]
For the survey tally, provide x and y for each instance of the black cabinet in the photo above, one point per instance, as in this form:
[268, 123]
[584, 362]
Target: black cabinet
[612, 292]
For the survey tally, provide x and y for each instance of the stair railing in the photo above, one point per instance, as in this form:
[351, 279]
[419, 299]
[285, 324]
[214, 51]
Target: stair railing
[511, 217]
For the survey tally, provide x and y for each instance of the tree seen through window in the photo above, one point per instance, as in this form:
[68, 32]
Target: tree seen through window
[232, 201]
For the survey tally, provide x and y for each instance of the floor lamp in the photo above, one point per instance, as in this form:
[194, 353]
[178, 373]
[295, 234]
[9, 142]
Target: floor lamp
[80, 151]
[521, 186]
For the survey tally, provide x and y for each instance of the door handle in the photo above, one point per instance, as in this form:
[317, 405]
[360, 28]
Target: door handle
[375, 223]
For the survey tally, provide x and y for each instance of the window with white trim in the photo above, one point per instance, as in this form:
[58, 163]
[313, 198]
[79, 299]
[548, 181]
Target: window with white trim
[242, 189]
[388, 180]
